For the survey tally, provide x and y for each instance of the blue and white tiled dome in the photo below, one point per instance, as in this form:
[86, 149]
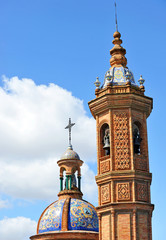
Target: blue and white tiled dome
[51, 218]
[81, 216]
[70, 154]
[118, 76]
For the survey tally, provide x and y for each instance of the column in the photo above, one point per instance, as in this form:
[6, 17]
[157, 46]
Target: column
[100, 232]
[70, 182]
[67, 183]
[79, 183]
[61, 183]
[134, 224]
[113, 223]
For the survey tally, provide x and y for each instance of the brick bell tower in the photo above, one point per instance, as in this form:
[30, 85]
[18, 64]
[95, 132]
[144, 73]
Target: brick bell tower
[123, 178]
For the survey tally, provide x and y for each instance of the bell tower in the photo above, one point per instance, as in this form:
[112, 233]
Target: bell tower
[123, 178]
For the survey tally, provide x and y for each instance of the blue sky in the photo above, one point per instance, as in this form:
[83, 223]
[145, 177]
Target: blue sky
[67, 43]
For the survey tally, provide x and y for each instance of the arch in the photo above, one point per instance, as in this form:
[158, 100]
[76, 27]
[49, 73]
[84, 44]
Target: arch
[104, 121]
[137, 137]
[62, 169]
[104, 140]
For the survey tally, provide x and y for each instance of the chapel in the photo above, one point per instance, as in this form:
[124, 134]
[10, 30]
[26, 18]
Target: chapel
[70, 217]
[124, 210]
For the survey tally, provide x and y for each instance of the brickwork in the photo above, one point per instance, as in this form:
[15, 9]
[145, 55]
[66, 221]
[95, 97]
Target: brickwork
[143, 226]
[121, 140]
[123, 227]
[141, 163]
[69, 235]
[142, 191]
[123, 191]
[65, 215]
[104, 166]
[105, 227]
[125, 172]
[105, 193]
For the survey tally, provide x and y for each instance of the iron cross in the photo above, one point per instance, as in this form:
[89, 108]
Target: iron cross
[69, 126]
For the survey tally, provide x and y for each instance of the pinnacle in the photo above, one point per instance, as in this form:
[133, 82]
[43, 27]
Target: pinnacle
[117, 52]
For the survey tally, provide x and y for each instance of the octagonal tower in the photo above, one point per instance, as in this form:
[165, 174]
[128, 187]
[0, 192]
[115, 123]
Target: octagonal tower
[123, 178]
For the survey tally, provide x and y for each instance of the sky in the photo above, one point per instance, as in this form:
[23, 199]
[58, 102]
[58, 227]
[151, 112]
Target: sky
[51, 52]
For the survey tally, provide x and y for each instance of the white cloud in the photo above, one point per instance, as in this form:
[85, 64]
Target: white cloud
[33, 118]
[19, 228]
[33, 138]
[89, 187]
[40, 180]
[34, 180]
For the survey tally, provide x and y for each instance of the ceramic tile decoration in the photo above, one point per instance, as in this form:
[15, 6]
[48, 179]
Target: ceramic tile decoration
[82, 216]
[51, 219]
[70, 154]
[119, 76]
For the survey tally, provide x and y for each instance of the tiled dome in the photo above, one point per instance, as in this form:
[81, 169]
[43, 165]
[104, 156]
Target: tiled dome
[50, 219]
[118, 76]
[70, 154]
[81, 216]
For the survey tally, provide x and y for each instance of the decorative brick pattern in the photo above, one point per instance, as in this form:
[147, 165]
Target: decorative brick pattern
[121, 140]
[128, 173]
[123, 191]
[105, 193]
[142, 192]
[105, 166]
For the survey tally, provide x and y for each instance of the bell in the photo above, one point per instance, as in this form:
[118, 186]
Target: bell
[137, 141]
[73, 181]
[106, 144]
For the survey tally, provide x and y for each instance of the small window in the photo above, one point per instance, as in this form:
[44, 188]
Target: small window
[105, 140]
[137, 138]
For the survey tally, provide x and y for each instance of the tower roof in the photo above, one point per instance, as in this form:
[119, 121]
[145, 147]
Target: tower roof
[118, 74]
[70, 154]
[80, 215]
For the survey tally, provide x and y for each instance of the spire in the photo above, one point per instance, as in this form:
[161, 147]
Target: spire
[116, 20]
[117, 52]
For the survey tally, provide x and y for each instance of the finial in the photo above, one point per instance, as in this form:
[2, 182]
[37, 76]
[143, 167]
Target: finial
[109, 76]
[97, 83]
[118, 52]
[116, 21]
[128, 76]
[141, 81]
[69, 126]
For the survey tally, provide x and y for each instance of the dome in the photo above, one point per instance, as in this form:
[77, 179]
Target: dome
[81, 216]
[70, 154]
[118, 76]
